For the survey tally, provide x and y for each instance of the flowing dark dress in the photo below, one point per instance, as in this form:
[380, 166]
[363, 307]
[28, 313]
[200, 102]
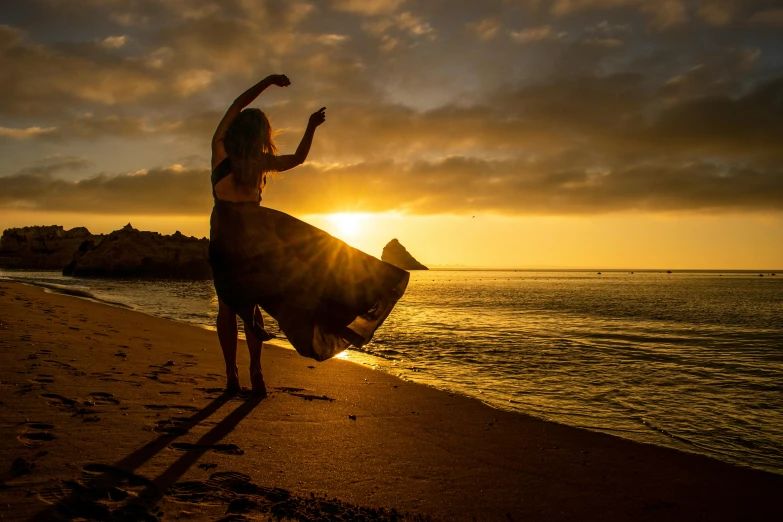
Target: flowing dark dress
[324, 294]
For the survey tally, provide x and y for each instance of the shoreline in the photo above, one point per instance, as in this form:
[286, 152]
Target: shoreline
[377, 362]
[88, 394]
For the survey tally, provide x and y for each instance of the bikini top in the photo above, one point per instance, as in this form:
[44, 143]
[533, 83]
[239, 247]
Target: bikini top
[222, 170]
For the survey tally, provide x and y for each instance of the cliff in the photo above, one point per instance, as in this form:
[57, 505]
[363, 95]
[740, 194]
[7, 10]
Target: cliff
[129, 252]
[396, 254]
[50, 247]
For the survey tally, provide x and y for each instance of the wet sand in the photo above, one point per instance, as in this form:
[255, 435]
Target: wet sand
[109, 413]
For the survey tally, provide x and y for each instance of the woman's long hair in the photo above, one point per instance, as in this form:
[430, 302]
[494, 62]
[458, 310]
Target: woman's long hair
[250, 147]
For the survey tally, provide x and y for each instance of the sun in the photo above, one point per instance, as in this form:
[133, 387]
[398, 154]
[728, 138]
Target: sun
[347, 224]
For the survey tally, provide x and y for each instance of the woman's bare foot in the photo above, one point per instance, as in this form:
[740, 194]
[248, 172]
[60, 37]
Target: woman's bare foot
[232, 381]
[232, 386]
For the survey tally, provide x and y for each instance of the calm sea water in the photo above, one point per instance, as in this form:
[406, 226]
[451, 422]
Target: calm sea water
[687, 360]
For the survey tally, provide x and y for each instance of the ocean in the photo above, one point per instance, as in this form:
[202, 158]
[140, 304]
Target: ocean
[688, 360]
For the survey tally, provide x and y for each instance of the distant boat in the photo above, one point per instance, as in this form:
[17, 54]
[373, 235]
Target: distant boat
[599, 273]
[668, 271]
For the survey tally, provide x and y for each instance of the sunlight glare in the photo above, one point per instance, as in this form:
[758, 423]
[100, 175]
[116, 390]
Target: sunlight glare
[347, 224]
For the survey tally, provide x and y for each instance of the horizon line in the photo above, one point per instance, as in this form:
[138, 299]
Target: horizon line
[599, 269]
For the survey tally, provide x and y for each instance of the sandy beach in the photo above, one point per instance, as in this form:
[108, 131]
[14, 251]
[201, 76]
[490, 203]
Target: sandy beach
[109, 413]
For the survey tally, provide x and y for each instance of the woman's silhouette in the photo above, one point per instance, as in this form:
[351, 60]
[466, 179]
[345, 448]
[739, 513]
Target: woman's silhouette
[324, 294]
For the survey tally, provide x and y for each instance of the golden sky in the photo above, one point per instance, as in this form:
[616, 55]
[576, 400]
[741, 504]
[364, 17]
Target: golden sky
[513, 133]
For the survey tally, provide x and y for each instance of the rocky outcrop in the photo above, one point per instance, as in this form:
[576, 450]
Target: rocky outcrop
[397, 255]
[43, 248]
[129, 252]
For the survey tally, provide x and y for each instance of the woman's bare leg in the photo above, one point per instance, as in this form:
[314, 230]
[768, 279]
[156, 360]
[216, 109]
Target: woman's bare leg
[254, 347]
[227, 335]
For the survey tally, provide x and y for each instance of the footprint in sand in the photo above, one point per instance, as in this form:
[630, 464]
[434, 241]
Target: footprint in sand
[173, 427]
[25, 388]
[241, 495]
[103, 398]
[297, 392]
[36, 433]
[33, 425]
[21, 466]
[55, 399]
[36, 436]
[157, 371]
[101, 494]
[184, 407]
[181, 407]
[58, 363]
[211, 390]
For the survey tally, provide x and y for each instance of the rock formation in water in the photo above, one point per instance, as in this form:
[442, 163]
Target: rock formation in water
[396, 254]
[129, 252]
[43, 248]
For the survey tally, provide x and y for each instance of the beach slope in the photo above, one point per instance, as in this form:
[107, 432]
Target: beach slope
[110, 413]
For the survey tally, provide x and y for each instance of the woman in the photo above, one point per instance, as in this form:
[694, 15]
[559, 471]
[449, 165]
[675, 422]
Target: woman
[324, 294]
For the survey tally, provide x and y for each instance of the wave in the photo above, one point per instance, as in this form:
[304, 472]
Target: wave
[65, 290]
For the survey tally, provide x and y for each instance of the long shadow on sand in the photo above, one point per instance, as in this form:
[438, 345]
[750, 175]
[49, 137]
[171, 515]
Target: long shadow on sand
[133, 495]
[115, 493]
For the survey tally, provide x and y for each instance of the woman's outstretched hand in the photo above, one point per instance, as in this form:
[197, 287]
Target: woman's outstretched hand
[318, 118]
[281, 80]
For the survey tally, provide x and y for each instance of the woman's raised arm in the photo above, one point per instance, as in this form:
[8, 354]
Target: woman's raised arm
[290, 161]
[242, 101]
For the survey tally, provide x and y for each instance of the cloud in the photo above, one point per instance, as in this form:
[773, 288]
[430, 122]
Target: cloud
[582, 146]
[412, 24]
[332, 39]
[718, 13]
[451, 185]
[39, 79]
[367, 7]
[23, 134]
[177, 56]
[721, 73]
[771, 17]
[89, 126]
[189, 82]
[114, 42]
[532, 34]
[485, 29]
[53, 165]
[663, 13]
[166, 191]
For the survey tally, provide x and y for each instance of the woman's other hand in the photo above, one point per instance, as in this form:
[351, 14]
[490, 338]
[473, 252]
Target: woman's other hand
[318, 118]
[281, 80]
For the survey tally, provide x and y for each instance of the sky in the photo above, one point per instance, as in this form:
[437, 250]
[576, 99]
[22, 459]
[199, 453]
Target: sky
[494, 133]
